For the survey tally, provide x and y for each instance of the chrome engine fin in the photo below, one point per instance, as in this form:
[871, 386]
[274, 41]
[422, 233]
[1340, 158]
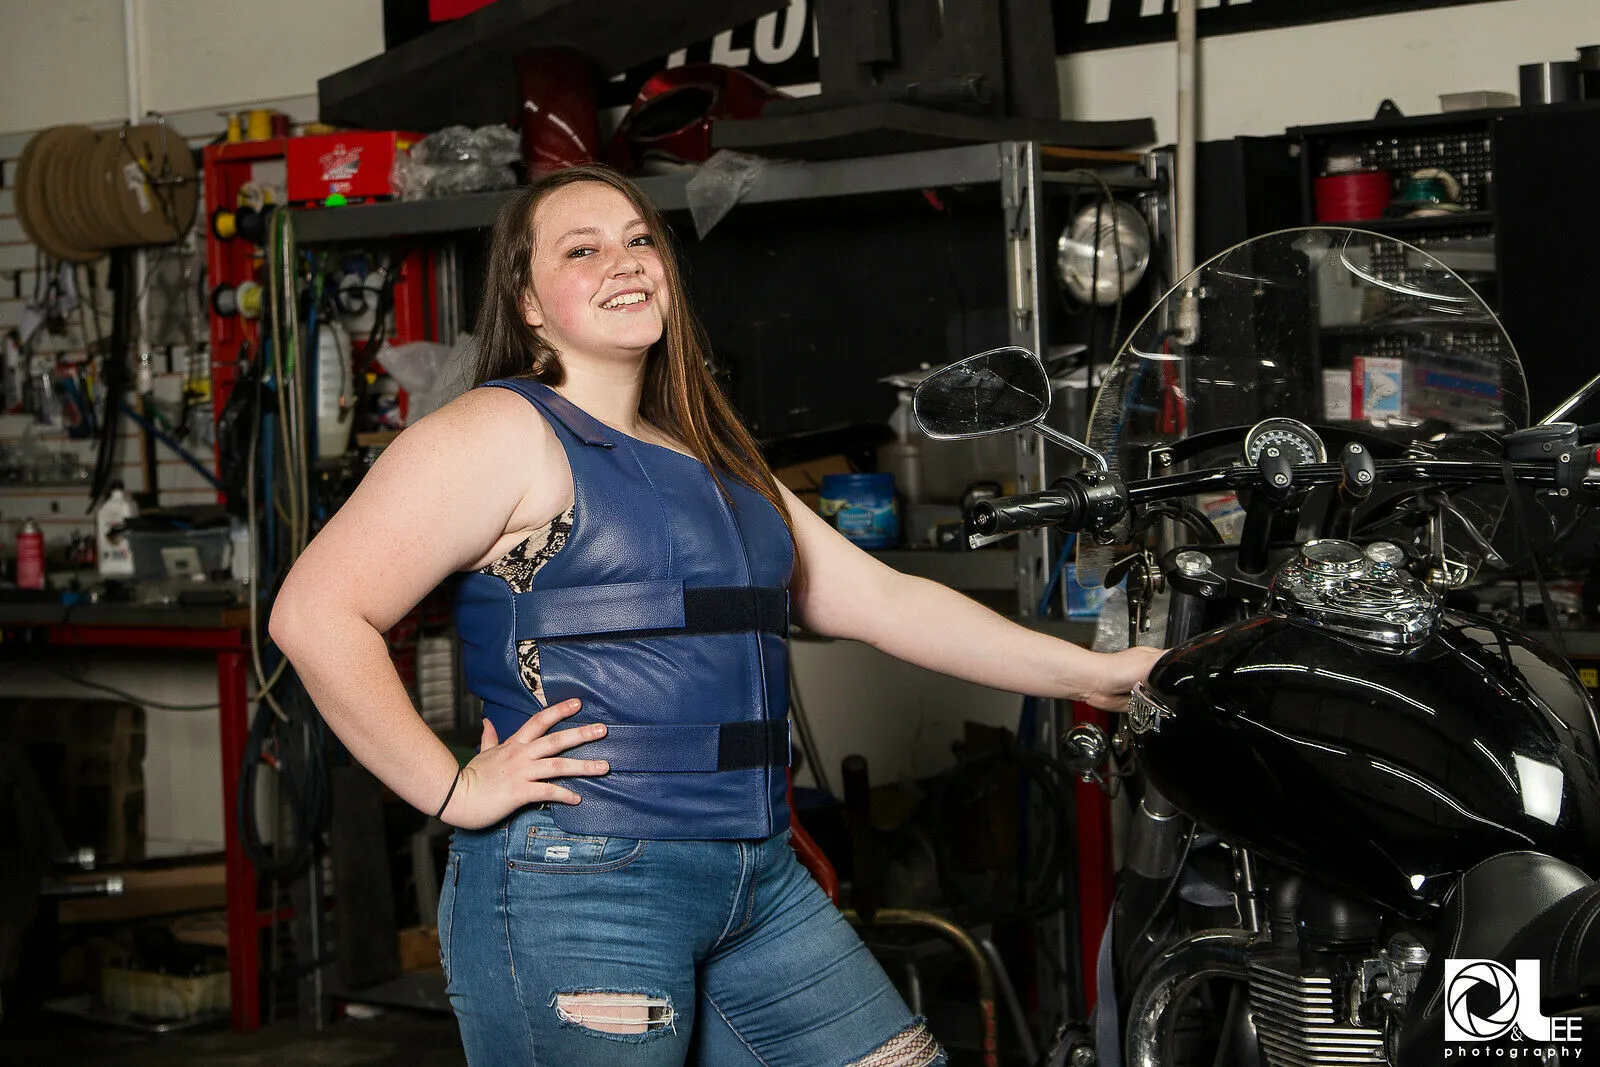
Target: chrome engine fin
[1298, 1018]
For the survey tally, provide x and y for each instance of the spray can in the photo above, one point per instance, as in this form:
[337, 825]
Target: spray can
[30, 556]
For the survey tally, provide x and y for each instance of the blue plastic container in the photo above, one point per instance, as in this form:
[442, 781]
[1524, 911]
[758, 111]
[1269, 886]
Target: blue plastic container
[862, 507]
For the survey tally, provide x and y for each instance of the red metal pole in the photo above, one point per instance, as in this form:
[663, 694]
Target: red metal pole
[244, 945]
[1096, 878]
[807, 850]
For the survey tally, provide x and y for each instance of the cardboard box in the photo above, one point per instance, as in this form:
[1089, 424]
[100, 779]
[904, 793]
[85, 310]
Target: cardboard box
[1336, 396]
[419, 948]
[1377, 387]
[354, 164]
[804, 480]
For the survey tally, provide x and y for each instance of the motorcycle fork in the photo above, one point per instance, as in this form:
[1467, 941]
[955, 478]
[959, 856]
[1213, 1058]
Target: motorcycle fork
[1246, 898]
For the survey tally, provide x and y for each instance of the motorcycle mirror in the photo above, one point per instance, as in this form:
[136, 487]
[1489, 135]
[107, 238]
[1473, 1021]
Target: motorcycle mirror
[992, 392]
[997, 391]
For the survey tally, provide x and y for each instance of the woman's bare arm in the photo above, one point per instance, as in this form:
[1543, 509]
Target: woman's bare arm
[844, 592]
[442, 498]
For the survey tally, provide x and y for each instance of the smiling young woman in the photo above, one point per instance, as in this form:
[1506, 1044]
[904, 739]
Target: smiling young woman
[620, 890]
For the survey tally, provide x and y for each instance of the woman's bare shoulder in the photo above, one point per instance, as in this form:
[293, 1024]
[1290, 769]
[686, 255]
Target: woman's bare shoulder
[494, 437]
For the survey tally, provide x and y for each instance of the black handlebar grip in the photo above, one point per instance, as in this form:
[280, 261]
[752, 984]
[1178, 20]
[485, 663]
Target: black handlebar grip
[1589, 434]
[1029, 511]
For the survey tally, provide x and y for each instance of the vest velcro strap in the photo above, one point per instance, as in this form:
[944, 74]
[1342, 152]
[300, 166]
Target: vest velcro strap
[752, 744]
[736, 609]
[703, 747]
[649, 607]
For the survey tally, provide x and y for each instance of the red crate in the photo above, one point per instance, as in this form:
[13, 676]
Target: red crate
[354, 164]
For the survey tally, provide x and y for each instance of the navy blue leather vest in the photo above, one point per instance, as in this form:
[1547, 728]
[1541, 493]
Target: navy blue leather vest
[665, 610]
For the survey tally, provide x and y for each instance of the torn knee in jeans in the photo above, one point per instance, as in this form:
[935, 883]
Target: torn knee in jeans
[614, 1012]
[912, 1047]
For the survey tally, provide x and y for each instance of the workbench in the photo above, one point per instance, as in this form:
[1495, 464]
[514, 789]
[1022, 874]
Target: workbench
[224, 632]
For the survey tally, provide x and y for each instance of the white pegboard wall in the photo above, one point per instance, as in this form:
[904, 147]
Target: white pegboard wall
[61, 510]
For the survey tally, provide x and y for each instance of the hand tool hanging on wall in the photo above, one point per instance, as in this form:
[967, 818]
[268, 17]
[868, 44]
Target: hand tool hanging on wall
[114, 380]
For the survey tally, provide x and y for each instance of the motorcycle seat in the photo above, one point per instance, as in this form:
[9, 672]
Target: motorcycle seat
[1565, 939]
[1486, 916]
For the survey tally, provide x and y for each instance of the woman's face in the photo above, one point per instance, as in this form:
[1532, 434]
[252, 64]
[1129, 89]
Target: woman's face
[598, 283]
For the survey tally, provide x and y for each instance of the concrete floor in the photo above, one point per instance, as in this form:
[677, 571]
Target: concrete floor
[396, 1038]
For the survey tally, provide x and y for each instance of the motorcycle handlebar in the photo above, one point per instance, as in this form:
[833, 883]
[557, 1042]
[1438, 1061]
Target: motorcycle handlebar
[1027, 511]
[1075, 504]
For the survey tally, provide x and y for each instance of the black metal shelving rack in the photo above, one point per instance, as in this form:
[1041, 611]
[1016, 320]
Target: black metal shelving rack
[1527, 240]
[990, 212]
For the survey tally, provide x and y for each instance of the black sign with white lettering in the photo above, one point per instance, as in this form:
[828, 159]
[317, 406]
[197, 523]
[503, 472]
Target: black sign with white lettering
[779, 48]
[1084, 25]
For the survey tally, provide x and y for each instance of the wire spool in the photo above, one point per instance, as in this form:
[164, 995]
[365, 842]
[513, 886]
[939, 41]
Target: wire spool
[249, 298]
[80, 192]
[225, 301]
[1354, 197]
[105, 176]
[243, 300]
[71, 212]
[38, 175]
[1430, 191]
[224, 224]
[158, 193]
[251, 222]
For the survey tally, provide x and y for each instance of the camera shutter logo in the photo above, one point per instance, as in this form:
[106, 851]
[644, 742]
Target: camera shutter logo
[1485, 1001]
[1481, 1001]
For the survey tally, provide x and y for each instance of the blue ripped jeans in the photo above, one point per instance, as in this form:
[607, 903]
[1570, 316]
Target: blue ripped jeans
[577, 951]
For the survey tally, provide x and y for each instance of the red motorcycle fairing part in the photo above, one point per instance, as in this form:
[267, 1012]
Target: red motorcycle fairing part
[558, 117]
[671, 116]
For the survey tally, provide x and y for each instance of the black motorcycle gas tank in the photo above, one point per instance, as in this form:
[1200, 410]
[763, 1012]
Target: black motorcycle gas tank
[1385, 773]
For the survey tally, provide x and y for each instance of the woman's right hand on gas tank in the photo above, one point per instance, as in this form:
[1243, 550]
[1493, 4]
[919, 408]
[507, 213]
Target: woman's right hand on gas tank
[524, 769]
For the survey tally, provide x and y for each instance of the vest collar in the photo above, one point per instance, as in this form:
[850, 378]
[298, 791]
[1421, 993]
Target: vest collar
[585, 427]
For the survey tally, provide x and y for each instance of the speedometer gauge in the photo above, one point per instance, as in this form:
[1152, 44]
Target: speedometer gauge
[1298, 442]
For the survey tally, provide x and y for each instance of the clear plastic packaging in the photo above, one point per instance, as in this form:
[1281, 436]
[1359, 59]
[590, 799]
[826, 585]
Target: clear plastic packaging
[719, 184]
[431, 374]
[421, 181]
[458, 160]
[491, 145]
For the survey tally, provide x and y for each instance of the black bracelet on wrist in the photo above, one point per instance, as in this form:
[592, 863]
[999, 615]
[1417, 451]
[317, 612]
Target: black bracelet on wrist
[454, 782]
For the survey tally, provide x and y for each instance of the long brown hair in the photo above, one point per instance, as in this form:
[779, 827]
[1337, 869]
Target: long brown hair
[680, 395]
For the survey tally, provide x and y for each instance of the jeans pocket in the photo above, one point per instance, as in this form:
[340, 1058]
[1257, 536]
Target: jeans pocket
[447, 910]
[547, 848]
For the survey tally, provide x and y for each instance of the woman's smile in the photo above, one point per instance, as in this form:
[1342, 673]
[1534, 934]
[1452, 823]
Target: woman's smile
[631, 300]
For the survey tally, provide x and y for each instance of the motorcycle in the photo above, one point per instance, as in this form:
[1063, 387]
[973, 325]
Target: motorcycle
[1342, 784]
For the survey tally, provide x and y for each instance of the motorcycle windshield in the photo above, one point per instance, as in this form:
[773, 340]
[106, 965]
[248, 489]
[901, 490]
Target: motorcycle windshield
[1340, 329]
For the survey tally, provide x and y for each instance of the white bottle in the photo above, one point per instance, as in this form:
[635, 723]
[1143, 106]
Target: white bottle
[239, 550]
[112, 550]
[333, 391]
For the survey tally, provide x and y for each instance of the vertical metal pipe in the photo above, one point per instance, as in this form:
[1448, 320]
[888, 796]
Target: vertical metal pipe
[130, 52]
[1187, 41]
[1008, 996]
[1188, 38]
[1244, 888]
